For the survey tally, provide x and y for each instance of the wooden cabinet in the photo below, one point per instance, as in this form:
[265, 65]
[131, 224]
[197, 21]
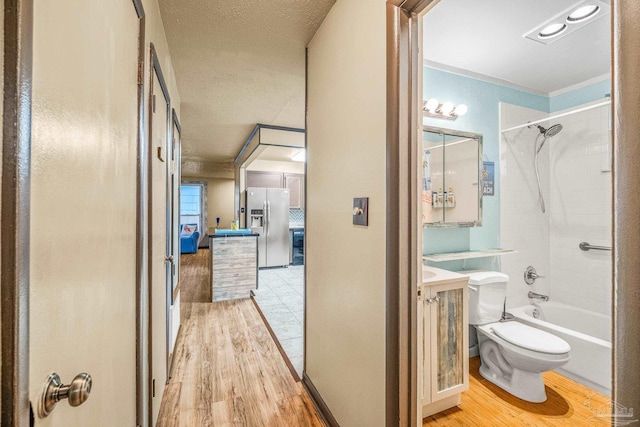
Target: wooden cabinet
[295, 184]
[445, 349]
[292, 181]
[265, 179]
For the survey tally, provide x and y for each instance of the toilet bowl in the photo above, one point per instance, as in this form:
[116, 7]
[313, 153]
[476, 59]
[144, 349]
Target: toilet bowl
[513, 355]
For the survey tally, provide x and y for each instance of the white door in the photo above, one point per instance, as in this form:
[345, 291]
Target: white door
[83, 207]
[159, 265]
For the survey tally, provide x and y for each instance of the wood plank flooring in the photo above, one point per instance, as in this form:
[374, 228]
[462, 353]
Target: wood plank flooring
[486, 404]
[195, 279]
[227, 369]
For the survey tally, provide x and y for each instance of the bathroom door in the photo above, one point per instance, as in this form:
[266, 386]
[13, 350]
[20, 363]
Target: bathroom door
[82, 244]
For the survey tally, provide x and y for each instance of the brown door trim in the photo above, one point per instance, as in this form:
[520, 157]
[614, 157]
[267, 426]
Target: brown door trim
[155, 67]
[403, 247]
[16, 187]
[141, 173]
[626, 204]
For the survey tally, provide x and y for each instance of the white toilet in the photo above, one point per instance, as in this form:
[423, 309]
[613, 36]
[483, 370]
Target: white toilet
[513, 355]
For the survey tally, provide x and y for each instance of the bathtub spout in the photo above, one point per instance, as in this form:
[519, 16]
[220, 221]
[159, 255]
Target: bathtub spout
[537, 296]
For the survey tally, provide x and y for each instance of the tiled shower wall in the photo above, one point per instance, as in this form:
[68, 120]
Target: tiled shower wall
[581, 210]
[575, 172]
[523, 226]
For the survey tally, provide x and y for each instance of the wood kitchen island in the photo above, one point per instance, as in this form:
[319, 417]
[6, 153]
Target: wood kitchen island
[234, 264]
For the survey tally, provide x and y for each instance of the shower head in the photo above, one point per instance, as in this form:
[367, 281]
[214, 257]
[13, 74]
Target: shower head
[552, 131]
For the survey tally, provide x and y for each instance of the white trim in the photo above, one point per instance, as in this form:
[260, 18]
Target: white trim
[509, 84]
[580, 85]
[483, 77]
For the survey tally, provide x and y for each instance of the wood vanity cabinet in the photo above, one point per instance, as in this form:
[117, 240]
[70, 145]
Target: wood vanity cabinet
[445, 349]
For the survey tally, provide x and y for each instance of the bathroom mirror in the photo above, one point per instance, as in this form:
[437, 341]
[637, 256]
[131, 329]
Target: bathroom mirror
[451, 174]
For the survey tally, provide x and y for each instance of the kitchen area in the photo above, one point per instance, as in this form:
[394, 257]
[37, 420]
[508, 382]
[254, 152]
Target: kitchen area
[271, 202]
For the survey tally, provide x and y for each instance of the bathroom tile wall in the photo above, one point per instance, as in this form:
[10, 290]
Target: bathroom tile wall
[580, 210]
[576, 181]
[523, 226]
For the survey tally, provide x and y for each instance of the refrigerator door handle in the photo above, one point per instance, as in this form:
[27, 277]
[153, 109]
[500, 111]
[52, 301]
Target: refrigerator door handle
[268, 215]
[265, 219]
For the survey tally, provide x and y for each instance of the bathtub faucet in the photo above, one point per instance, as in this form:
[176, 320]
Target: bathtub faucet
[537, 296]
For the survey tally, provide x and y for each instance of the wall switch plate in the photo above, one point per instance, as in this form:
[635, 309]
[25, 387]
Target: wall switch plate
[361, 211]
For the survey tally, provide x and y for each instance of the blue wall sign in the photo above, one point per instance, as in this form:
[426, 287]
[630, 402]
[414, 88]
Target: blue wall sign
[488, 178]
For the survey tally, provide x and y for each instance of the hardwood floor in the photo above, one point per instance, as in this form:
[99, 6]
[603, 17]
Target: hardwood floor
[227, 369]
[195, 280]
[485, 404]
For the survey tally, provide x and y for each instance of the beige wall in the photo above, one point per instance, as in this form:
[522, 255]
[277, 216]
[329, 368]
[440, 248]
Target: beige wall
[219, 199]
[346, 125]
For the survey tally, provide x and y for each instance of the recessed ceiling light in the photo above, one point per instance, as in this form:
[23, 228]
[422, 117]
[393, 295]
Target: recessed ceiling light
[552, 30]
[582, 13]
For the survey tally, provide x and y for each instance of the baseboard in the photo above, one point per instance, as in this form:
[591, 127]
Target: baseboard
[293, 371]
[319, 403]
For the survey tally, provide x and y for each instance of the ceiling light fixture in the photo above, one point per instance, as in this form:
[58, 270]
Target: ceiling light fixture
[580, 14]
[300, 156]
[447, 110]
[583, 13]
[552, 30]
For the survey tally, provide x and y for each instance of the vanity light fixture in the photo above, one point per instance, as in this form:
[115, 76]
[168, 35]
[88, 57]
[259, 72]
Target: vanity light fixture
[300, 156]
[447, 110]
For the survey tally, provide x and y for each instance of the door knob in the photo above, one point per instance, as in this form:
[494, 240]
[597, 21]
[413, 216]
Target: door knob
[169, 258]
[54, 391]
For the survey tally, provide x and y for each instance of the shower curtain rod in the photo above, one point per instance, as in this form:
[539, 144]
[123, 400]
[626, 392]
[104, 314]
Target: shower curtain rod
[557, 116]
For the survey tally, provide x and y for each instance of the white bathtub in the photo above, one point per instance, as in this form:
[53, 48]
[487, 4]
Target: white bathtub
[588, 334]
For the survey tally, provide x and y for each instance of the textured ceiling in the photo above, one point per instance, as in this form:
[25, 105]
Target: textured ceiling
[486, 37]
[238, 63]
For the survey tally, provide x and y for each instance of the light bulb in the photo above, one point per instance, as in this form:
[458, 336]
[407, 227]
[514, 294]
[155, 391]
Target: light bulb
[447, 108]
[583, 13]
[461, 110]
[552, 30]
[432, 104]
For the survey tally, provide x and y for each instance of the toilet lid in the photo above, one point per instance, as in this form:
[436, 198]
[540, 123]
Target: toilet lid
[530, 338]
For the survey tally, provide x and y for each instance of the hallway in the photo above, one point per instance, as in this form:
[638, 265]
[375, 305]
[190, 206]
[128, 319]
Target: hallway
[227, 369]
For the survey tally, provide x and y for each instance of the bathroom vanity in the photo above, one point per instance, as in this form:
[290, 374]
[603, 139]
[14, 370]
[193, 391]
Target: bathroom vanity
[443, 308]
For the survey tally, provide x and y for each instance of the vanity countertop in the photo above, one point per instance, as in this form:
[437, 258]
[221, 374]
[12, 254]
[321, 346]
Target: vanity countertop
[438, 276]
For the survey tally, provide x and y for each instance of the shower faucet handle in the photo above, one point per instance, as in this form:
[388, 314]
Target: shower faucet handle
[530, 275]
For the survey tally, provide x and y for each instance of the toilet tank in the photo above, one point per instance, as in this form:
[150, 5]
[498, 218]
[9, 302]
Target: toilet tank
[487, 290]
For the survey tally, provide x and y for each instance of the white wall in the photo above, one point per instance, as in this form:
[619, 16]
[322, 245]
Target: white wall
[346, 156]
[576, 177]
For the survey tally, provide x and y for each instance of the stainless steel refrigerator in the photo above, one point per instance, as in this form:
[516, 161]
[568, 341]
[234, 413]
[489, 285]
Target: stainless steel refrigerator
[267, 213]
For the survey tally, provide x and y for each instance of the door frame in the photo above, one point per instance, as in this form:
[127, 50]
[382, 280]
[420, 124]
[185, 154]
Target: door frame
[177, 183]
[155, 67]
[16, 209]
[403, 234]
[141, 212]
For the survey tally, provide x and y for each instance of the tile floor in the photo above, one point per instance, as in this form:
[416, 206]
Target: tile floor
[280, 296]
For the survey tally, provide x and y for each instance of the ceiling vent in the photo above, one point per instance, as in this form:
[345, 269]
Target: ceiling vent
[569, 21]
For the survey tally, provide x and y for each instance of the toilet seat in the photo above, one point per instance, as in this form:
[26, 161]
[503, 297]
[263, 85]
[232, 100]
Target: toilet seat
[529, 338]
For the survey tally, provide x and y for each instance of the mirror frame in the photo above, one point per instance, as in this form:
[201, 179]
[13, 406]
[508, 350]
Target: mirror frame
[478, 137]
